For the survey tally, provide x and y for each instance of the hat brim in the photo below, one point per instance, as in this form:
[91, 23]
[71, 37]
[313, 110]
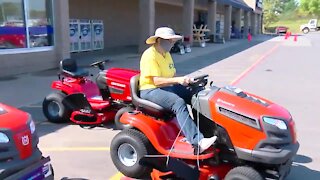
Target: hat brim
[152, 39]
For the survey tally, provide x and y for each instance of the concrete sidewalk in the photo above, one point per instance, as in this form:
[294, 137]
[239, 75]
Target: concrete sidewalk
[31, 88]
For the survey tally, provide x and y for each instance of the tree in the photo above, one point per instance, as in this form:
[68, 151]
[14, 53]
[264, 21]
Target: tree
[289, 6]
[12, 9]
[290, 10]
[271, 11]
[311, 7]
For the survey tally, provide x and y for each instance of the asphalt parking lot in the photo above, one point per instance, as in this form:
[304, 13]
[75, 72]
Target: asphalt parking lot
[283, 71]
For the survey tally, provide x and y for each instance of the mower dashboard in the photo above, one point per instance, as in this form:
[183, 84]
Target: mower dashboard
[239, 92]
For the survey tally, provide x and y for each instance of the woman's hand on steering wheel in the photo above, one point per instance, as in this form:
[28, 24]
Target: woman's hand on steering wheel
[185, 80]
[196, 81]
[201, 80]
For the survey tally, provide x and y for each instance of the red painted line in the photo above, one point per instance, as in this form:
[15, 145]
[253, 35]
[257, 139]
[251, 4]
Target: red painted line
[260, 60]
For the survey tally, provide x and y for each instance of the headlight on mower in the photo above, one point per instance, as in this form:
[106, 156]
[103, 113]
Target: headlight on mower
[32, 126]
[275, 122]
[3, 138]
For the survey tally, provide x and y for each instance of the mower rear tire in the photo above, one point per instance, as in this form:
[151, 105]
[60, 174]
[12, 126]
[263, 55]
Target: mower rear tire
[243, 173]
[127, 148]
[118, 115]
[53, 108]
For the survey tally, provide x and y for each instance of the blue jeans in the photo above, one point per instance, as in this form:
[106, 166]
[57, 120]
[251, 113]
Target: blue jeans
[174, 98]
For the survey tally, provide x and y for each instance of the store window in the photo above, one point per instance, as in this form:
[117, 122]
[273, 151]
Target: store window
[40, 23]
[25, 24]
[12, 24]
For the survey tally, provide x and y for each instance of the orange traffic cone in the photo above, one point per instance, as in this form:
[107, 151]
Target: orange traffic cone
[295, 38]
[249, 37]
[287, 35]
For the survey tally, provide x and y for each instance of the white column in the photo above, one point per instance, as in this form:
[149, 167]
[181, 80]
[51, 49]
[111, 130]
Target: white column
[253, 24]
[188, 18]
[61, 29]
[246, 22]
[260, 24]
[238, 18]
[227, 22]
[146, 21]
[212, 16]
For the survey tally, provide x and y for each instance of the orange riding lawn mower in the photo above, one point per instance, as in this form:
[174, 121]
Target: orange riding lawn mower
[256, 137]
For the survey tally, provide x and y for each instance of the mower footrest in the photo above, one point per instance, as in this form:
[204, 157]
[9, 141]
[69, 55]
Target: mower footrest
[80, 117]
[185, 150]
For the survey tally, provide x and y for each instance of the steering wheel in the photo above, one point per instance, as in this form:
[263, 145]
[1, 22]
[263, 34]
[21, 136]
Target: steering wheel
[99, 64]
[200, 80]
[198, 84]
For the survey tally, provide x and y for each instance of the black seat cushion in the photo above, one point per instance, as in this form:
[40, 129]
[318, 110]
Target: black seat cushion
[148, 106]
[69, 67]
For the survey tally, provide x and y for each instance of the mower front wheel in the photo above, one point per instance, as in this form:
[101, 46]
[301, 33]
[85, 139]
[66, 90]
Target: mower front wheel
[53, 108]
[118, 115]
[127, 148]
[243, 173]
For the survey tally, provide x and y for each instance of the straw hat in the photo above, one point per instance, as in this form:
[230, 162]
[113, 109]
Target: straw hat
[164, 33]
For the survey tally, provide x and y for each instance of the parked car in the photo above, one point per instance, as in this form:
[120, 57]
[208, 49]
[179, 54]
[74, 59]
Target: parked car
[281, 30]
[311, 26]
[12, 37]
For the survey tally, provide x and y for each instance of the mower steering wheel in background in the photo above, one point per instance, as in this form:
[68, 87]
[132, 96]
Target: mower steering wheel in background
[99, 64]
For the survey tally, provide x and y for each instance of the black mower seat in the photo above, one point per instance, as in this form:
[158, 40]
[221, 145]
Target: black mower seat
[147, 106]
[70, 68]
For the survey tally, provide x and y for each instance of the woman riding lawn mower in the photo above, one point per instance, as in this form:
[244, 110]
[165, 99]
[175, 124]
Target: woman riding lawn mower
[256, 137]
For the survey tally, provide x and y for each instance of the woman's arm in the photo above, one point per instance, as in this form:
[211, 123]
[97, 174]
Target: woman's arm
[162, 81]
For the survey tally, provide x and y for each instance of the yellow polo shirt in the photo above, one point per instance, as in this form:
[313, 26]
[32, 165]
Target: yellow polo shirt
[154, 64]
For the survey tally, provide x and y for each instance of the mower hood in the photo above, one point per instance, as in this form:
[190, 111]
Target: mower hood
[12, 118]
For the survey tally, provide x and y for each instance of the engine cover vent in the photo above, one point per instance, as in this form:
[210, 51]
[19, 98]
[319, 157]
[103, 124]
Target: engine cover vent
[240, 118]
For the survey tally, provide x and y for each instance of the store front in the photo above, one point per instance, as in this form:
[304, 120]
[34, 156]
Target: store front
[36, 34]
[28, 37]
[26, 24]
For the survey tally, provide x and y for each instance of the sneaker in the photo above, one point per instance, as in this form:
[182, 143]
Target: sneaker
[205, 143]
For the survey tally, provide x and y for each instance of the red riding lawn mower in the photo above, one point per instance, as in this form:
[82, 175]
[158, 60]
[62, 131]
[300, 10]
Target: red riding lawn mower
[256, 138]
[20, 157]
[106, 99]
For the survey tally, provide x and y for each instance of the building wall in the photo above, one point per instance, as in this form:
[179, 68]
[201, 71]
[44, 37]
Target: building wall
[170, 16]
[170, 2]
[220, 8]
[121, 24]
[26, 62]
[121, 19]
